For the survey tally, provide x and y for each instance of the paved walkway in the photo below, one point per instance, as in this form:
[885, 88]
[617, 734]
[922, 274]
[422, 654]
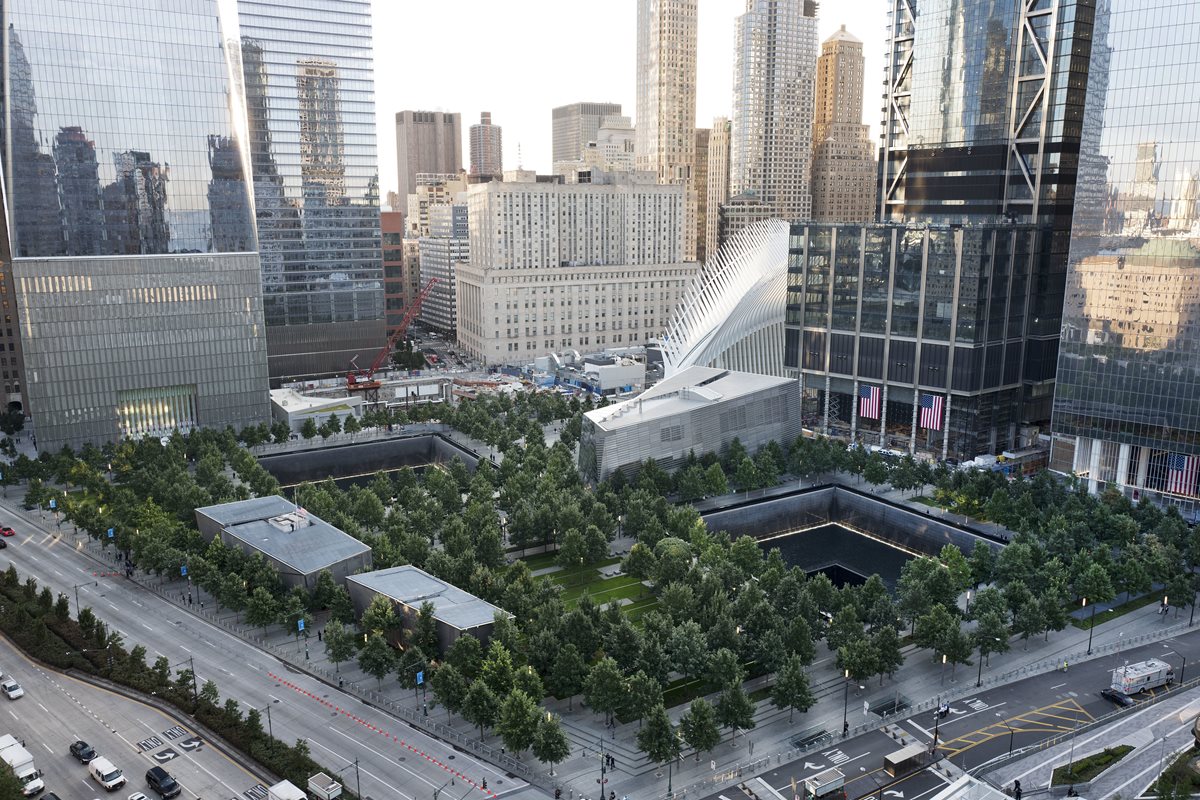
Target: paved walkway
[920, 682]
[1157, 733]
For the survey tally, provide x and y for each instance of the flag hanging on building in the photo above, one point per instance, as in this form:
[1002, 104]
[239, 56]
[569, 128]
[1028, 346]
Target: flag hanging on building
[1181, 474]
[868, 402]
[932, 408]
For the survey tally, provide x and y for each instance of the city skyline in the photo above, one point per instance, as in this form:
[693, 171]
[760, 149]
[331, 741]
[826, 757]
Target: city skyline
[604, 72]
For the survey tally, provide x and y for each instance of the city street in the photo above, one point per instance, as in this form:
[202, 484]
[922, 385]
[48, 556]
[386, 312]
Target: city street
[58, 710]
[979, 727]
[394, 760]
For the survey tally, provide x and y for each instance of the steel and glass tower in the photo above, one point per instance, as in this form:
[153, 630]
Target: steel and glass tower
[131, 289]
[1127, 402]
[308, 72]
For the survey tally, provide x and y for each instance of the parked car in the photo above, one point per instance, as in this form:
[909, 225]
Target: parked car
[83, 751]
[12, 690]
[1117, 697]
[7, 531]
[135, 796]
[161, 781]
[3, 544]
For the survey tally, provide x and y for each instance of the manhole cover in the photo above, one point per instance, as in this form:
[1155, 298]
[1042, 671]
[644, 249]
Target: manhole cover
[403, 758]
[451, 755]
[333, 713]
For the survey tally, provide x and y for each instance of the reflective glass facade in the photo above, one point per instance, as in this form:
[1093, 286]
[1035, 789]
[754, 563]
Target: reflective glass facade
[308, 74]
[135, 284]
[1127, 406]
[99, 159]
[916, 311]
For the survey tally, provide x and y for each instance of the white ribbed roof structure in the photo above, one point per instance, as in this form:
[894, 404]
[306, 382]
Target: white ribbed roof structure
[732, 313]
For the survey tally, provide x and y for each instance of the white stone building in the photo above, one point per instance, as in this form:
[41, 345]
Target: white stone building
[560, 266]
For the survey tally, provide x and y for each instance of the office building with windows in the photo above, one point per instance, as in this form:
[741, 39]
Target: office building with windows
[982, 119]
[917, 337]
[1127, 400]
[400, 284]
[487, 151]
[843, 165]
[426, 141]
[716, 186]
[131, 283]
[666, 100]
[557, 266]
[773, 78]
[577, 124]
[441, 252]
[308, 72]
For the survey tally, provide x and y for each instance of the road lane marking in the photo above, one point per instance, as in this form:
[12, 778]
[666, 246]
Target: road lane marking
[1059, 686]
[357, 743]
[48, 750]
[386, 784]
[43, 708]
[913, 722]
[147, 627]
[184, 649]
[14, 716]
[59, 574]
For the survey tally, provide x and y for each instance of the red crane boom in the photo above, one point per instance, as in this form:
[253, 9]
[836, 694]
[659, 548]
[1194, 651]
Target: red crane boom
[363, 380]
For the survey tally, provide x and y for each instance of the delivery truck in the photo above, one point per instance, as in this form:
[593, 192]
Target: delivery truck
[21, 762]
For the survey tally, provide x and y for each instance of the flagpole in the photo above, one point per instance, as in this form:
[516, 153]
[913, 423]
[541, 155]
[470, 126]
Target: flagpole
[912, 439]
[946, 430]
[854, 410]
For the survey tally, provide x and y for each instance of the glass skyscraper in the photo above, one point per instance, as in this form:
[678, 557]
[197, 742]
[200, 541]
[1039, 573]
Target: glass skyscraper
[1127, 404]
[131, 283]
[307, 67]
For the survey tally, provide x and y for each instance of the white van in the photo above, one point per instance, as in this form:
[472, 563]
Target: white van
[105, 774]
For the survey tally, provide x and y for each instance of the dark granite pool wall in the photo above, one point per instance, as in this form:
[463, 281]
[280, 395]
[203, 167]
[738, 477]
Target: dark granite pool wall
[340, 461]
[839, 504]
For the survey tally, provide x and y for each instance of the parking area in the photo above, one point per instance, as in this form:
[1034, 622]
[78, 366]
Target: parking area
[57, 710]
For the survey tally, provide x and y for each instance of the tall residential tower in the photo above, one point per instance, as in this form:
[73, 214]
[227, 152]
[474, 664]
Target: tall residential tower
[773, 77]
[486, 148]
[666, 99]
[576, 125]
[843, 167]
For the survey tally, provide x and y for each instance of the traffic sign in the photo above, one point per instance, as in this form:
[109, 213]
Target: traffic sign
[183, 571]
[110, 533]
[53, 504]
[420, 677]
[300, 624]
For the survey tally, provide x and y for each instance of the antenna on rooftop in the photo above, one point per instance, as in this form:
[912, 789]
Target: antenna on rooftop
[520, 163]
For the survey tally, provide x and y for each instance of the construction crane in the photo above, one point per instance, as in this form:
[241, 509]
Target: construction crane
[363, 380]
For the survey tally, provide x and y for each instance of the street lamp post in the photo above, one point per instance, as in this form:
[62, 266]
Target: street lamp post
[1011, 734]
[94, 583]
[846, 705]
[1091, 624]
[979, 678]
[943, 669]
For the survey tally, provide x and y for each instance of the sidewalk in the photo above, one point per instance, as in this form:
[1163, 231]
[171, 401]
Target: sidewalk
[920, 682]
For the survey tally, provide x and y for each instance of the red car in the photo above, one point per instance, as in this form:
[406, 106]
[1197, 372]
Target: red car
[7, 531]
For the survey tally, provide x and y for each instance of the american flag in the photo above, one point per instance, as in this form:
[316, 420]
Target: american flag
[1181, 474]
[868, 402]
[932, 407]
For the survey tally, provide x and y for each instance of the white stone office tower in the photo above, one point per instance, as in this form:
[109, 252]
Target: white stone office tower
[843, 167]
[666, 99]
[718, 182]
[426, 141]
[486, 147]
[773, 78]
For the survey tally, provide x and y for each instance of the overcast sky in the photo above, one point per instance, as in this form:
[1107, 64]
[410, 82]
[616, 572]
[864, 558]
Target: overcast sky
[520, 58]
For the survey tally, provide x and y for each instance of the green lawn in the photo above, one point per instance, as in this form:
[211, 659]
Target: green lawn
[540, 560]
[927, 501]
[1087, 768]
[608, 590]
[1113, 613]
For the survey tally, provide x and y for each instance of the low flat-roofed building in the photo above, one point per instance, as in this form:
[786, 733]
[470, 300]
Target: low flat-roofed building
[457, 612]
[699, 409]
[288, 405]
[298, 544]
